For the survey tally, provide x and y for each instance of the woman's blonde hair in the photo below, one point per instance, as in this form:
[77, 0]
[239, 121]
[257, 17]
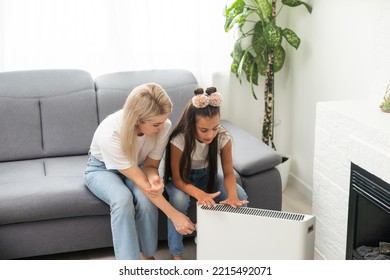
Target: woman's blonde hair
[144, 103]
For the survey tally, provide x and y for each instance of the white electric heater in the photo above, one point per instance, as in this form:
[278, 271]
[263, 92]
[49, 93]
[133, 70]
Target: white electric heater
[244, 233]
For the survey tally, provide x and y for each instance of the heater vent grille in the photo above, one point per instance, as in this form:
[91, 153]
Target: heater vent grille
[256, 212]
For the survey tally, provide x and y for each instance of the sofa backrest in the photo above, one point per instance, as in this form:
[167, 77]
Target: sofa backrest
[49, 113]
[46, 113]
[112, 89]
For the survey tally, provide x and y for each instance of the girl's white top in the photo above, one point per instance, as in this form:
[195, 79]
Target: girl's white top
[199, 156]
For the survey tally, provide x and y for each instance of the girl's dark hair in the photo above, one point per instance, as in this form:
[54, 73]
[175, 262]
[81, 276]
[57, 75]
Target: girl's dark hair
[187, 126]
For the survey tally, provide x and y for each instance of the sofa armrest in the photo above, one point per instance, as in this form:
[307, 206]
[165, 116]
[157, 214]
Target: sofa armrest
[250, 155]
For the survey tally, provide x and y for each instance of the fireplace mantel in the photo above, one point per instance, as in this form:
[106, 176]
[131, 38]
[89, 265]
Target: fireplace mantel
[346, 131]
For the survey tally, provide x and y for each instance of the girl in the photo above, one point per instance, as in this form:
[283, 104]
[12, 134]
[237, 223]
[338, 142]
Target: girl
[191, 157]
[122, 170]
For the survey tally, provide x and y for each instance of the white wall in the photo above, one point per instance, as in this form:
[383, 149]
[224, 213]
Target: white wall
[346, 131]
[344, 54]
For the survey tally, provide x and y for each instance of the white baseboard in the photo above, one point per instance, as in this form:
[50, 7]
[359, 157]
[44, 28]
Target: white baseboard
[298, 184]
[307, 191]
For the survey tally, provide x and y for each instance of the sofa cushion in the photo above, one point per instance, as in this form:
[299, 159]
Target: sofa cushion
[68, 123]
[19, 171]
[112, 89]
[46, 113]
[46, 189]
[20, 122]
[66, 166]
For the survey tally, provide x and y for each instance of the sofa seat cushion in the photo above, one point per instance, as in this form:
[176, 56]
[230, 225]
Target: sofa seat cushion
[45, 189]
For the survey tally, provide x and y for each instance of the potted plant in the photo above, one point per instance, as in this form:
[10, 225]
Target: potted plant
[258, 49]
[385, 105]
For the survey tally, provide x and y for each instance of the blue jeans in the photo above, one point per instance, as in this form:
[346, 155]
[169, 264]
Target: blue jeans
[181, 201]
[134, 218]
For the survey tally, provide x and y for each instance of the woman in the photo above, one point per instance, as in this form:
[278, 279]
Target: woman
[122, 171]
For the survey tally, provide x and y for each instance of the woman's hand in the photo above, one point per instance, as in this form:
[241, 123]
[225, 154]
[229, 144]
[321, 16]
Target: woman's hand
[234, 202]
[182, 223]
[156, 186]
[206, 199]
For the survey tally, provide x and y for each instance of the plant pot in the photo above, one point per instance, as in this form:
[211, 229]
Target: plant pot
[385, 110]
[284, 170]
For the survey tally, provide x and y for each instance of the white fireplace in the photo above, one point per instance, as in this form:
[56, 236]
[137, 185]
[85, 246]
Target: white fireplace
[346, 131]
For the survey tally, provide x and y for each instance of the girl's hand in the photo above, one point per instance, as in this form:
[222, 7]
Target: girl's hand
[182, 223]
[206, 199]
[234, 202]
[156, 186]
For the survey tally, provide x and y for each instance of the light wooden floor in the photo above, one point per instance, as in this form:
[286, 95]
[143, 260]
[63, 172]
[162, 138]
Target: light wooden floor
[293, 201]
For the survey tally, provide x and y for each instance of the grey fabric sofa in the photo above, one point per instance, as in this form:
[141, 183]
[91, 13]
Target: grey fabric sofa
[47, 120]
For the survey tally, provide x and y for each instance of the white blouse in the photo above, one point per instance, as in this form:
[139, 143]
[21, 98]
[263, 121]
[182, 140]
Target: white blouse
[199, 157]
[106, 145]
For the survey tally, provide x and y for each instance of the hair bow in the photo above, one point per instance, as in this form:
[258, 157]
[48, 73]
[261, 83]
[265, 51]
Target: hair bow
[203, 100]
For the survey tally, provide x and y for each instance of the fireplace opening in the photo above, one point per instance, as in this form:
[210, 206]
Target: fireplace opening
[368, 232]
